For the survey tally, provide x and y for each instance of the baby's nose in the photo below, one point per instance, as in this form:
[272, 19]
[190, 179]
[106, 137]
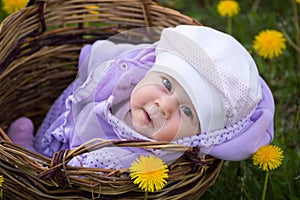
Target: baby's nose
[168, 104]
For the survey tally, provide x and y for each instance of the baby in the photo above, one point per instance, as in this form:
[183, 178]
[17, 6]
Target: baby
[196, 86]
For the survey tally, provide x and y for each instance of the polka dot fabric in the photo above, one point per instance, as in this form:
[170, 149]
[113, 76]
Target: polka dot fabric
[102, 158]
[215, 137]
[57, 108]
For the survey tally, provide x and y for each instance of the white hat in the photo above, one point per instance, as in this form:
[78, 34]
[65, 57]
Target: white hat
[216, 71]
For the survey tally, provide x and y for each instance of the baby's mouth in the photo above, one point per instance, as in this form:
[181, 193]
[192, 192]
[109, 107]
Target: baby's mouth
[147, 118]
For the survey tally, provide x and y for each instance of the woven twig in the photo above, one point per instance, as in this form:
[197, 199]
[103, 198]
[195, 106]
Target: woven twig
[52, 178]
[39, 50]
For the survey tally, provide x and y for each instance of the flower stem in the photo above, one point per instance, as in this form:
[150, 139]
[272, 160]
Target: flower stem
[229, 25]
[146, 195]
[297, 28]
[271, 70]
[255, 5]
[263, 196]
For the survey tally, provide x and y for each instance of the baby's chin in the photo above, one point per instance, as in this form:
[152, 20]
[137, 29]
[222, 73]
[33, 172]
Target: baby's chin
[155, 134]
[161, 136]
[144, 132]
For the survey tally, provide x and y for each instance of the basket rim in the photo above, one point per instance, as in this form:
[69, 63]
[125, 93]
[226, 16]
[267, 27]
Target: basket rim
[32, 43]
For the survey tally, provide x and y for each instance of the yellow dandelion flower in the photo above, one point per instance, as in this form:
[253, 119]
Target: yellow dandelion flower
[149, 173]
[11, 6]
[228, 8]
[298, 1]
[92, 13]
[269, 43]
[268, 157]
[1, 181]
[93, 9]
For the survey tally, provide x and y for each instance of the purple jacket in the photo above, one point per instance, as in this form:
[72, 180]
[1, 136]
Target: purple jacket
[83, 112]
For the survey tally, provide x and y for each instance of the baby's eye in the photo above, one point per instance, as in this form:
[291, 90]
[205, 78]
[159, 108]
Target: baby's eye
[167, 84]
[187, 111]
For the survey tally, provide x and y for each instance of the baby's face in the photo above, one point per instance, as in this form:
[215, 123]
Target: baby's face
[161, 109]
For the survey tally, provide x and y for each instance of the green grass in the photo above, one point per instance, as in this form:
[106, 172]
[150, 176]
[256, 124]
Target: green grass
[242, 180]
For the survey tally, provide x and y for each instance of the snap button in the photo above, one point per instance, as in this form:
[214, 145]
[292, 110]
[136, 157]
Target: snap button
[124, 66]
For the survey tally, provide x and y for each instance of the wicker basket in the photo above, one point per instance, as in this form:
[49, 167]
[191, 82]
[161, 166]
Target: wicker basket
[39, 49]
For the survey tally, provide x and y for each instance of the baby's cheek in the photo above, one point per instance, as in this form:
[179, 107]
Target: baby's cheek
[188, 129]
